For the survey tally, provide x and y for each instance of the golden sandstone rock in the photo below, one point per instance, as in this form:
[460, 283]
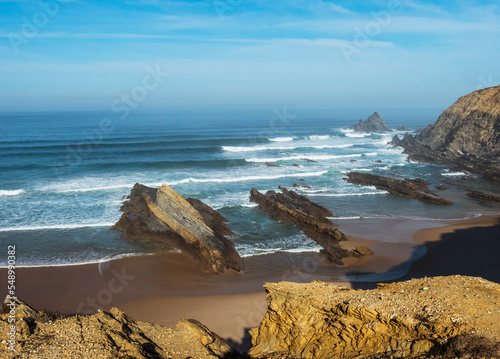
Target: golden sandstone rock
[322, 321]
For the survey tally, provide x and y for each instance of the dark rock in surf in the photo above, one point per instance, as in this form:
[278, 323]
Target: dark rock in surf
[310, 218]
[483, 197]
[166, 219]
[270, 164]
[411, 188]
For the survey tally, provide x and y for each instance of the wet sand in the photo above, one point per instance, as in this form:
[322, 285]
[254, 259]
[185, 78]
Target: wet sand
[168, 287]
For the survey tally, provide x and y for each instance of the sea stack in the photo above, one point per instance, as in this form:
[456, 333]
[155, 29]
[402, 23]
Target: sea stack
[374, 123]
[164, 218]
[467, 134]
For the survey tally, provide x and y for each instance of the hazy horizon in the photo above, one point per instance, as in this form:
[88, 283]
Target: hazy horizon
[152, 55]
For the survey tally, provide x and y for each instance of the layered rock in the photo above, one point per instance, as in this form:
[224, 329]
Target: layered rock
[484, 197]
[374, 123]
[110, 334]
[164, 218]
[407, 319]
[411, 188]
[466, 134]
[310, 218]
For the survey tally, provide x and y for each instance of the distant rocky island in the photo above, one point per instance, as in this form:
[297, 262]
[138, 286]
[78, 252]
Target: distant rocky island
[374, 123]
[467, 134]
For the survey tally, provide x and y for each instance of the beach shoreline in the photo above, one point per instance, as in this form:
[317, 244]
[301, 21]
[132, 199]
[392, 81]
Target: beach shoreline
[165, 288]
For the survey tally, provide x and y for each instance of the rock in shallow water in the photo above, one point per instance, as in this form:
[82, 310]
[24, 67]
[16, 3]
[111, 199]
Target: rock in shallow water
[165, 218]
[310, 218]
[411, 188]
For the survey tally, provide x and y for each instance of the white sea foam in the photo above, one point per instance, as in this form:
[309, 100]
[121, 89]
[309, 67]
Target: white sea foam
[345, 194]
[281, 139]
[454, 174]
[85, 189]
[356, 134]
[248, 178]
[14, 192]
[282, 148]
[319, 137]
[304, 157]
[56, 226]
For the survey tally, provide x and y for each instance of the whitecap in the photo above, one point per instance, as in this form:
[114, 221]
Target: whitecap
[14, 192]
[281, 139]
[57, 226]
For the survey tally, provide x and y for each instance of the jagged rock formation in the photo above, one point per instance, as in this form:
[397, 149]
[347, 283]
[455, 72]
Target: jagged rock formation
[407, 319]
[110, 334]
[166, 219]
[466, 134]
[403, 128]
[484, 197]
[411, 188]
[374, 123]
[310, 218]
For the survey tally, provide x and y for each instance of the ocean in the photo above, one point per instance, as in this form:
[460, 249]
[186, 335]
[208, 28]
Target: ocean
[64, 175]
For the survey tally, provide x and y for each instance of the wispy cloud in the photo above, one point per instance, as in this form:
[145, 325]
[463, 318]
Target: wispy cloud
[321, 42]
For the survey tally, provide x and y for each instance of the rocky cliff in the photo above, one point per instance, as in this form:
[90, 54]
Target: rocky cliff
[374, 123]
[411, 188]
[466, 134]
[110, 334]
[408, 319]
[165, 218]
[310, 218]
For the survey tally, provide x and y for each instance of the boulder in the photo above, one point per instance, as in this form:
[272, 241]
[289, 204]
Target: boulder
[467, 134]
[414, 319]
[310, 218]
[374, 123]
[411, 188]
[164, 218]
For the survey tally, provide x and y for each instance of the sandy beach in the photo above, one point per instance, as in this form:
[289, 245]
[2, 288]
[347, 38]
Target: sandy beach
[166, 288]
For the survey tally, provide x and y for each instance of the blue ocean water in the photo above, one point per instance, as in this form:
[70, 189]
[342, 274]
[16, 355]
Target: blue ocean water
[63, 176]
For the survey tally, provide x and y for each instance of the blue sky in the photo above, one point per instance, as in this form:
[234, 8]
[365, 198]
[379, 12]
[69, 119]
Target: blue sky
[84, 55]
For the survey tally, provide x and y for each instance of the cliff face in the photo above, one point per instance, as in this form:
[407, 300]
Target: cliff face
[322, 321]
[166, 219]
[466, 134]
[108, 335]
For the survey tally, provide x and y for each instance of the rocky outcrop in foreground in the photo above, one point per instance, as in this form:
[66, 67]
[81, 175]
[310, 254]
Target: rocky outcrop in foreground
[407, 319]
[374, 123]
[310, 218]
[165, 218]
[411, 188]
[466, 134]
[110, 334]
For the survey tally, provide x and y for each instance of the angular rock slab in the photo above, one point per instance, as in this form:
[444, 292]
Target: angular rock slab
[310, 218]
[166, 219]
[411, 188]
